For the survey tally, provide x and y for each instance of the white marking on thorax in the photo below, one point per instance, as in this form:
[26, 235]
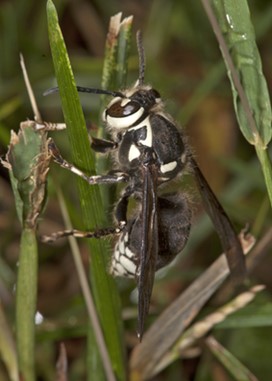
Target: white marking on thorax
[148, 139]
[168, 167]
[133, 153]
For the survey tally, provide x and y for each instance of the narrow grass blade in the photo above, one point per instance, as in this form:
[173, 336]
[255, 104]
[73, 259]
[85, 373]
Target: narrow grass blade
[217, 72]
[231, 363]
[103, 286]
[265, 162]
[236, 37]
[8, 351]
[117, 49]
[235, 33]
[26, 300]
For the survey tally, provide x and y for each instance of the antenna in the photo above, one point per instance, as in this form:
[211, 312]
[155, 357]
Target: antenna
[88, 90]
[141, 54]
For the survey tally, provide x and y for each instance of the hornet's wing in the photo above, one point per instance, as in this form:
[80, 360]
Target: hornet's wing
[149, 243]
[223, 226]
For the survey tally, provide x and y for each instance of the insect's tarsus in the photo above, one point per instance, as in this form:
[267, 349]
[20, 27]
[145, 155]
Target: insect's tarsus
[80, 234]
[114, 178]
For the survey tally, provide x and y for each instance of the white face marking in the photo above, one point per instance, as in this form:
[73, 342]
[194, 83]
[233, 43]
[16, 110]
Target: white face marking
[114, 100]
[132, 90]
[133, 152]
[145, 123]
[125, 101]
[168, 167]
[125, 121]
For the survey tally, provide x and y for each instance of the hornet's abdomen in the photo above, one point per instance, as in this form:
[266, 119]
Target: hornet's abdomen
[174, 222]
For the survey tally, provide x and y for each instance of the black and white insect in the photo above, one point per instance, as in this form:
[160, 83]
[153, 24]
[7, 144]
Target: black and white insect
[149, 150]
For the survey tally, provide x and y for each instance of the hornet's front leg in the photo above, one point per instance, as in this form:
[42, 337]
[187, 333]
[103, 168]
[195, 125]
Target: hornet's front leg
[97, 179]
[102, 145]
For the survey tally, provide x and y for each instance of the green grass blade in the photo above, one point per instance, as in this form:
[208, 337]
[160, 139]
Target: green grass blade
[231, 363]
[217, 72]
[267, 170]
[235, 33]
[235, 23]
[116, 53]
[114, 77]
[8, 353]
[26, 300]
[103, 286]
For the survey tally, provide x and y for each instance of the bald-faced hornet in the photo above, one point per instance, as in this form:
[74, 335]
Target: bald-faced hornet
[149, 151]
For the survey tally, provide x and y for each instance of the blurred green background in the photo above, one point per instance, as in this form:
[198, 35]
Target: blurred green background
[184, 63]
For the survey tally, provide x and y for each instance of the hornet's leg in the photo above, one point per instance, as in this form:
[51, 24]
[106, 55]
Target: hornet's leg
[97, 179]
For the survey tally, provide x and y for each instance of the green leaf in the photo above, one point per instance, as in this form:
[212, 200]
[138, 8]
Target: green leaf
[116, 53]
[114, 77]
[103, 286]
[235, 22]
[7, 347]
[249, 87]
[26, 301]
[231, 363]
[28, 161]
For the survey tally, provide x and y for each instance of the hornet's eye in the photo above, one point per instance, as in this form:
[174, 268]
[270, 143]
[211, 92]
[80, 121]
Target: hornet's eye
[123, 113]
[119, 109]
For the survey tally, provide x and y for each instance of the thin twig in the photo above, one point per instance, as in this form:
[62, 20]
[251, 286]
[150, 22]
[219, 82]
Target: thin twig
[36, 112]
